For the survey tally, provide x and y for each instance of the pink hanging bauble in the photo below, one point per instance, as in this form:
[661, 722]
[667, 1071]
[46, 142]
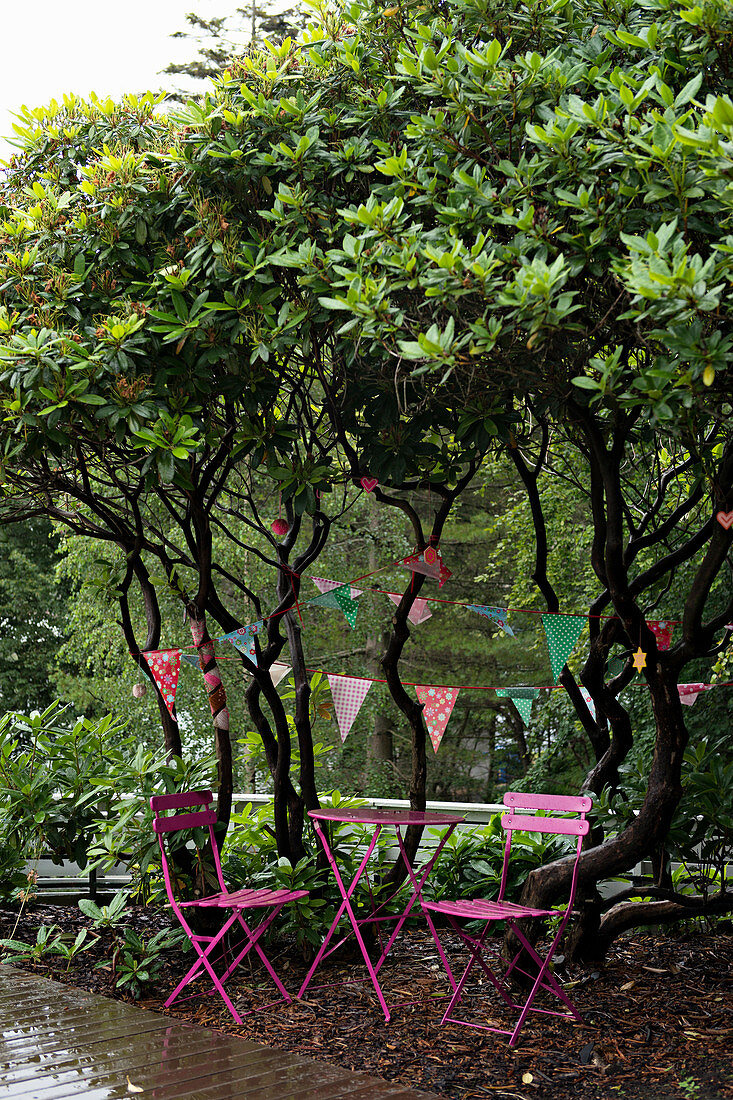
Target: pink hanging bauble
[280, 527]
[138, 690]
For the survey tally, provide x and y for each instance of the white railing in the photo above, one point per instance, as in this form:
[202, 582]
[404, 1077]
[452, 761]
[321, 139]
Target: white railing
[68, 878]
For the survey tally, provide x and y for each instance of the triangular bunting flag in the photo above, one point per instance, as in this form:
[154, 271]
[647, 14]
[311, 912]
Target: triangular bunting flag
[326, 600]
[430, 563]
[688, 693]
[662, 631]
[437, 706]
[562, 632]
[244, 639]
[165, 665]
[348, 693]
[522, 699]
[326, 586]
[588, 702]
[418, 613]
[278, 672]
[191, 659]
[349, 607]
[496, 614]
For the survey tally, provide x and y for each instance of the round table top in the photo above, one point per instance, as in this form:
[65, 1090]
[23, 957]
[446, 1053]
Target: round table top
[370, 815]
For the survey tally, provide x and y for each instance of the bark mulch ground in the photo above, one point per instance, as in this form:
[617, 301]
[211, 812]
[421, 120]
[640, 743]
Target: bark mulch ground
[658, 1019]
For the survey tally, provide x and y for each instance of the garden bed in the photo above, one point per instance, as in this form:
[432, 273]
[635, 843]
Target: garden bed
[657, 1020]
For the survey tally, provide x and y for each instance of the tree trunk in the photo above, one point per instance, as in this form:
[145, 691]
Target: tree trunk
[381, 745]
[638, 841]
[412, 711]
[220, 713]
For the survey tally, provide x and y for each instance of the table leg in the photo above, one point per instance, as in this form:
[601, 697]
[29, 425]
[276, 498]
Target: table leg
[345, 907]
[417, 893]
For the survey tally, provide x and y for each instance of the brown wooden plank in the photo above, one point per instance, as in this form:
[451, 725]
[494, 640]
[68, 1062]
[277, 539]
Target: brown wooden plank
[59, 1043]
[186, 1049]
[112, 1076]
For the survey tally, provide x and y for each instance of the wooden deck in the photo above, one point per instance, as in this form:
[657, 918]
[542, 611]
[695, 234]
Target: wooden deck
[57, 1042]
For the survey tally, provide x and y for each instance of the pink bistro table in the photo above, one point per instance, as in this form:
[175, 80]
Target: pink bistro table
[378, 819]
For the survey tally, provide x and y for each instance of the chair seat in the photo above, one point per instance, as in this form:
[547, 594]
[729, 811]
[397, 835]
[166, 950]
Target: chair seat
[484, 909]
[248, 899]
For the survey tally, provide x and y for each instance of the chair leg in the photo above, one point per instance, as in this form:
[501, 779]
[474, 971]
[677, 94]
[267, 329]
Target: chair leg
[204, 961]
[543, 979]
[252, 942]
[441, 952]
[475, 949]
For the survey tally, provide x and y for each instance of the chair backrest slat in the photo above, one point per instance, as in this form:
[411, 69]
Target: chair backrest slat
[180, 799]
[184, 821]
[204, 818]
[514, 822]
[561, 826]
[563, 803]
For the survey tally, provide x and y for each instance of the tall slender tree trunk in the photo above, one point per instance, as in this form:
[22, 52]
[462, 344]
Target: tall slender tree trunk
[220, 714]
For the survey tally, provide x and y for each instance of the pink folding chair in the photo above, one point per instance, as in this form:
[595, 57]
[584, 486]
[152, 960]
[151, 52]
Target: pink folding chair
[481, 909]
[269, 902]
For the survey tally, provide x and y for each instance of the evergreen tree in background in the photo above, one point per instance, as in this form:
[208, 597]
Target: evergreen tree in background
[219, 38]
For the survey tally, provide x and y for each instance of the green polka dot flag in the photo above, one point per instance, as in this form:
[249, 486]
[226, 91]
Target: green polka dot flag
[562, 632]
[349, 607]
[522, 698]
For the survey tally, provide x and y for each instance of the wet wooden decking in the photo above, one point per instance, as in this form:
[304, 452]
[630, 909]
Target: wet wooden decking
[59, 1042]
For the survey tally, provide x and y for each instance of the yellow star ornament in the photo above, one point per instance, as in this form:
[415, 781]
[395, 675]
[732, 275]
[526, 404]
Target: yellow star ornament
[639, 659]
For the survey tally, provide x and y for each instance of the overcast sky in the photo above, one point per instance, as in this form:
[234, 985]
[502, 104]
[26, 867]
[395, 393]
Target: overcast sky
[56, 46]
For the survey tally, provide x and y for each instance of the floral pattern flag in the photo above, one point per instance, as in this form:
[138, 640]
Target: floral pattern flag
[437, 703]
[348, 693]
[244, 639]
[430, 563]
[165, 666]
[497, 615]
[662, 631]
[588, 701]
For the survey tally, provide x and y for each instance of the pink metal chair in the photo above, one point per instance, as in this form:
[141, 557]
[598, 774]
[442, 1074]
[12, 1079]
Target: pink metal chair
[238, 902]
[480, 909]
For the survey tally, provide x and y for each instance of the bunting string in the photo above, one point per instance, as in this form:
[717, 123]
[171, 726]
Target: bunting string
[333, 593]
[562, 631]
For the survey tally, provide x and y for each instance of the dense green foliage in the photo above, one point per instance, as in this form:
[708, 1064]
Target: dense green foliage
[414, 238]
[33, 615]
[80, 790]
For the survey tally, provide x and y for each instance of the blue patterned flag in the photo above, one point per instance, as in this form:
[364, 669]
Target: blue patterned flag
[497, 615]
[244, 639]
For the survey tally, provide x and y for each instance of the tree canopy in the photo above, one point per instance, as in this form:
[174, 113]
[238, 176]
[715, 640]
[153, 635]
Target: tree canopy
[412, 238]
